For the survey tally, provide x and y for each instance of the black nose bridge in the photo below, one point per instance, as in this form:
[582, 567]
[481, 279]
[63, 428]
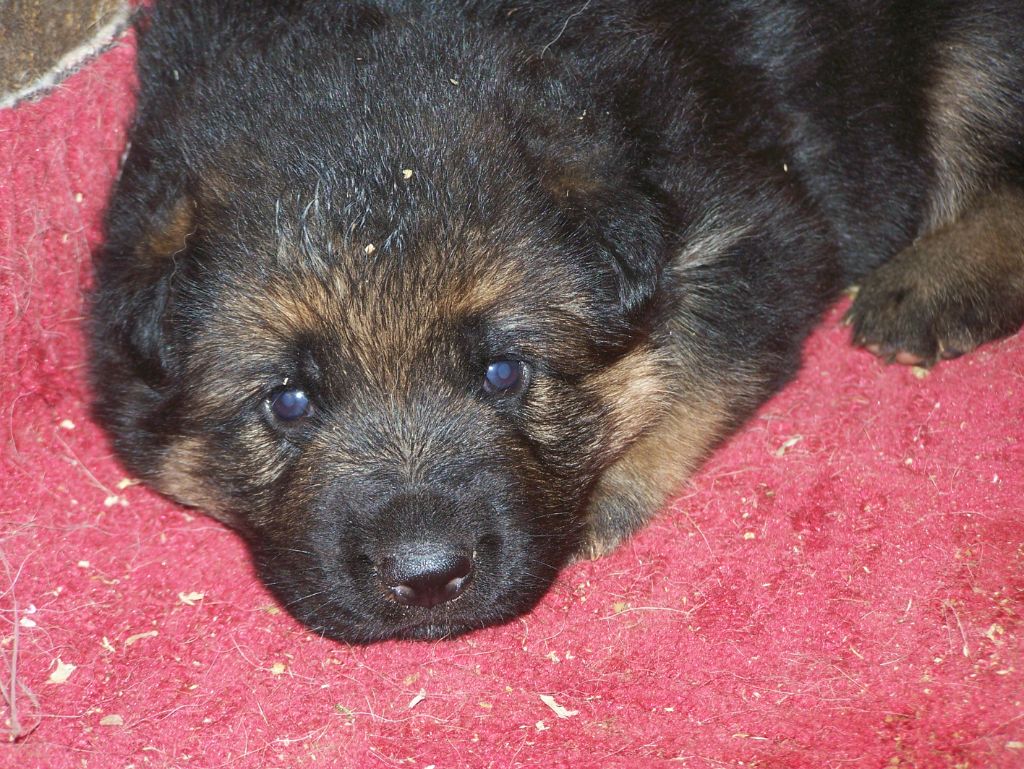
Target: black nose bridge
[415, 515]
[418, 439]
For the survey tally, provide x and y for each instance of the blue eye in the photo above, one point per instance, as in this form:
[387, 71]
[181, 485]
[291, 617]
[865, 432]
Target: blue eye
[290, 404]
[504, 376]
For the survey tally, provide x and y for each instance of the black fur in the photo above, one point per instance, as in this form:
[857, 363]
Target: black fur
[317, 190]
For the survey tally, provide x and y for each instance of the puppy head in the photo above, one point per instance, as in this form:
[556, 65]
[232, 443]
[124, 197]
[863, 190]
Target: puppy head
[402, 409]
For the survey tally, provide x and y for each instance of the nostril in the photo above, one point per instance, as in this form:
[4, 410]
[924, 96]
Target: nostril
[425, 576]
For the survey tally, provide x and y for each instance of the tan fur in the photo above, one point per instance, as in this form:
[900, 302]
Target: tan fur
[170, 237]
[181, 475]
[635, 392]
[642, 481]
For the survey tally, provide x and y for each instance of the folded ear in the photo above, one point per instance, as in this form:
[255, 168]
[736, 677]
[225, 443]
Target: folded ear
[135, 285]
[625, 218]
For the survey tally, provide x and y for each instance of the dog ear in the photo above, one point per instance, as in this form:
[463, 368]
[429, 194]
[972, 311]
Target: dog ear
[137, 282]
[625, 219]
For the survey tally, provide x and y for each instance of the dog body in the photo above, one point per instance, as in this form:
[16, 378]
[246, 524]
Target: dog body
[428, 298]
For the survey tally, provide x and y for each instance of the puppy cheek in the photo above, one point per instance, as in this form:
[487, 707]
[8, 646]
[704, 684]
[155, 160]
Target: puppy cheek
[634, 393]
[182, 477]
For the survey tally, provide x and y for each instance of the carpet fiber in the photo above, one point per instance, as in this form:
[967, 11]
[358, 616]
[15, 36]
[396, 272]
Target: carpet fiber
[841, 586]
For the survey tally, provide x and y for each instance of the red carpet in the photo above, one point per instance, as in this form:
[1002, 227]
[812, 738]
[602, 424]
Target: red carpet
[842, 586]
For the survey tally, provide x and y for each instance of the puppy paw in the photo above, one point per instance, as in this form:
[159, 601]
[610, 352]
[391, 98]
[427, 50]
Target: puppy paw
[950, 291]
[905, 318]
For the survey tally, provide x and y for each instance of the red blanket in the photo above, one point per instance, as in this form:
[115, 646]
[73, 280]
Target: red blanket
[841, 586]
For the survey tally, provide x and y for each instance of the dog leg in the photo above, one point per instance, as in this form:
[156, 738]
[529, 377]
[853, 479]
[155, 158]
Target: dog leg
[637, 486]
[952, 290]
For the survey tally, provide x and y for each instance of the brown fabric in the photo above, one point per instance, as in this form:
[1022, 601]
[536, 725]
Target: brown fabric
[42, 41]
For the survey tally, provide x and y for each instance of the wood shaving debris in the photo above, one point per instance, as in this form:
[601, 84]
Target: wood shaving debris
[749, 535]
[26, 622]
[557, 709]
[107, 646]
[67, 424]
[453, 81]
[919, 372]
[84, 564]
[788, 444]
[370, 248]
[407, 173]
[553, 657]
[191, 599]
[541, 726]
[1015, 745]
[140, 636]
[994, 632]
[277, 668]
[420, 696]
[125, 483]
[112, 720]
[62, 672]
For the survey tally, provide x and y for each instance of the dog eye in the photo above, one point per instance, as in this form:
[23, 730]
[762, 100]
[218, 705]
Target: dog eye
[505, 377]
[290, 404]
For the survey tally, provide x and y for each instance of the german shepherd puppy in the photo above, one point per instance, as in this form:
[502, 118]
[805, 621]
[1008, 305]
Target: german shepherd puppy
[428, 298]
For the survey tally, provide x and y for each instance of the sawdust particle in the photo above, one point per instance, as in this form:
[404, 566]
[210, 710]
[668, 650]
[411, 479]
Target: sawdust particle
[558, 710]
[190, 599]
[112, 720]
[277, 669]
[67, 424]
[994, 632]
[61, 673]
[140, 637]
[787, 444]
[420, 696]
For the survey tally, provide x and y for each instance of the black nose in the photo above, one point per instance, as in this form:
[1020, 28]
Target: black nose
[425, 575]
